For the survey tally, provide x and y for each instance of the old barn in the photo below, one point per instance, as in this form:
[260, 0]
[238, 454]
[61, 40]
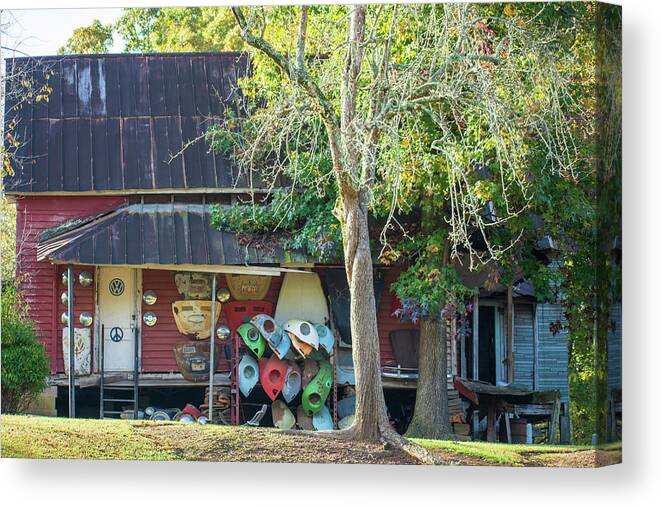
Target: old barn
[114, 238]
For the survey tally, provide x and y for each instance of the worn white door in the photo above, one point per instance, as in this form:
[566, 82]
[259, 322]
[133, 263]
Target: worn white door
[117, 309]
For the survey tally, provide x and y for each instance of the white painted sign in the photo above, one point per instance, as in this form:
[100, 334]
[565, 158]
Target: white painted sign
[82, 347]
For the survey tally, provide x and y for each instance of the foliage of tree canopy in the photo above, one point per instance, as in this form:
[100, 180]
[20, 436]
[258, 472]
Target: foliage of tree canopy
[94, 38]
[151, 30]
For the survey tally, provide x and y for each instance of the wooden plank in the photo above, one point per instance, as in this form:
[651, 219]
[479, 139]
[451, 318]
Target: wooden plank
[190, 156]
[55, 97]
[114, 140]
[156, 86]
[510, 335]
[144, 153]
[198, 237]
[177, 174]
[206, 158]
[69, 95]
[171, 87]
[84, 134]
[181, 239]
[129, 153]
[531, 409]
[185, 79]
[84, 87]
[491, 422]
[150, 233]
[476, 337]
[69, 143]
[166, 247]
[113, 97]
[214, 85]
[200, 87]
[465, 391]
[134, 237]
[119, 244]
[141, 83]
[98, 79]
[160, 133]
[535, 345]
[555, 420]
[40, 155]
[39, 109]
[100, 154]
[126, 87]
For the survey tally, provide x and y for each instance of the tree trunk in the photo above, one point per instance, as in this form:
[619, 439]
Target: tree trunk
[430, 416]
[371, 419]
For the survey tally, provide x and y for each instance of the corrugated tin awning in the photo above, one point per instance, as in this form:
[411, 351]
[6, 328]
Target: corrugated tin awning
[162, 236]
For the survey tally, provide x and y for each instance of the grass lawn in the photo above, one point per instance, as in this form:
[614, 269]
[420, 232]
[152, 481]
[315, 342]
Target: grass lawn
[45, 437]
[527, 455]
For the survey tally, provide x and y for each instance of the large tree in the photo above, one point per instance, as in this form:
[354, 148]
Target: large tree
[402, 98]
[457, 111]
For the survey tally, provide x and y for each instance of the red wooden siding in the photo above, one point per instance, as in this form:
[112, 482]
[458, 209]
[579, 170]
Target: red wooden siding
[40, 282]
[157, 341]
[386, 322]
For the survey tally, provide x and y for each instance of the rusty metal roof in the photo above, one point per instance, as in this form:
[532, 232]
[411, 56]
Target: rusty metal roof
[158, 234]
[112, 122]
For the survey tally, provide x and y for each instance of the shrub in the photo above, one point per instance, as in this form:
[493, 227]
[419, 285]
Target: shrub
[24, 362]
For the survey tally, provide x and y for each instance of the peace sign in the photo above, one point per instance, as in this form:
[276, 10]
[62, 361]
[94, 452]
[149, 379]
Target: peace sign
[116, 334]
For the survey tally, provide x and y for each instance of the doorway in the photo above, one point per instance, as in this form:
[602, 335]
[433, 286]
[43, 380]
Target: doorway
[117, 310]
[487, 349]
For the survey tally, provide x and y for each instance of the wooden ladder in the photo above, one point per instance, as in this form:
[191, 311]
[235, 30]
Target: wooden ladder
[110, 393]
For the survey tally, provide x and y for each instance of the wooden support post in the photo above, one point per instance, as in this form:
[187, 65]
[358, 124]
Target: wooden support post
[507, 428]
[476, 337]
[510, 336]
[453, 346]
[462, 354]
[476, 424]
[491, 423]
[212, 346]
[72, 345]
[612, 420]
[535, 347]
[555, 421]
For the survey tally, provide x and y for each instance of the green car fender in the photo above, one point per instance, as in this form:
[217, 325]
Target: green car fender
[252, 338]
[316, 392]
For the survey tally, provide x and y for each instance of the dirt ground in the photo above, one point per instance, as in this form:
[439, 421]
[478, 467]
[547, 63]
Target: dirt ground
[269, 446]
[578, 459]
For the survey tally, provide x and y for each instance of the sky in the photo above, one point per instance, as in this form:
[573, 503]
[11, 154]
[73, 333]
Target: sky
[40, 32]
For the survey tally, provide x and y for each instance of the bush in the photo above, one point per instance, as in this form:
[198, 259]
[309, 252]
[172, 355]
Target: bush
[24, 362]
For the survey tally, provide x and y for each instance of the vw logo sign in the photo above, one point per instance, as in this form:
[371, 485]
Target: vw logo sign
[116, 287]
[116, 334]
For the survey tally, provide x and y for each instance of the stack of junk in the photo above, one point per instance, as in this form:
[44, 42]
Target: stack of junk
[286, 353]
[297, 376]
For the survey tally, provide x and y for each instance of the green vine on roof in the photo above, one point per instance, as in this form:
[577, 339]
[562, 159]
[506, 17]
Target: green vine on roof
[298, 221]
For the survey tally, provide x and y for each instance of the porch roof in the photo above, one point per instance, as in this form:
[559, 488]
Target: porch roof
[175, 235]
